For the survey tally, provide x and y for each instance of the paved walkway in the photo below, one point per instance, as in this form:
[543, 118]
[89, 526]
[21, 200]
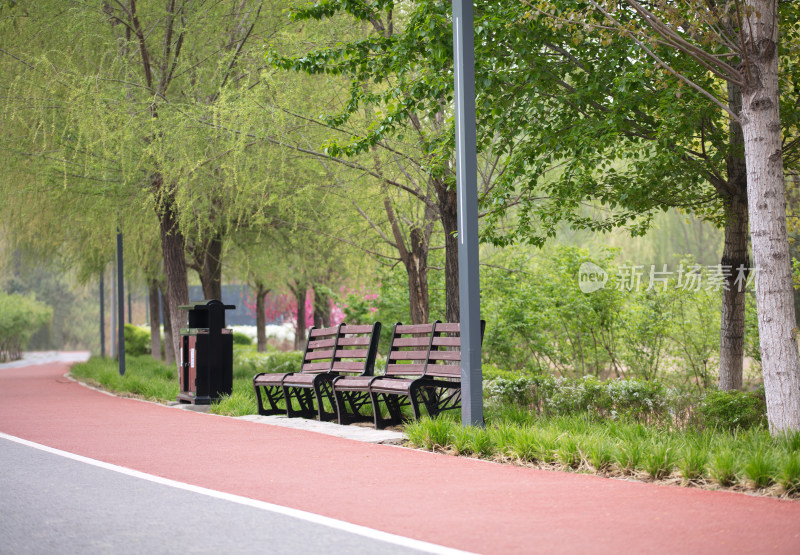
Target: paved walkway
[457, 502]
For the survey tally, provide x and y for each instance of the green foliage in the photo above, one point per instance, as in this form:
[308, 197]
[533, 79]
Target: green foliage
[731, 410]
[628, 399]
[357, 309]
[540, 321]
[639, 400]
[75, 306]
[20, 317]
[240, 338]
[137, 340]
[248, 362]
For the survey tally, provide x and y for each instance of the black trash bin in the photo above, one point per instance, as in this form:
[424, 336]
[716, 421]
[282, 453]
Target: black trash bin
[206, 365]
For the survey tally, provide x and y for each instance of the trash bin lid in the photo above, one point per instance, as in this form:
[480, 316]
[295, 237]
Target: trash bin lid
[205, 305]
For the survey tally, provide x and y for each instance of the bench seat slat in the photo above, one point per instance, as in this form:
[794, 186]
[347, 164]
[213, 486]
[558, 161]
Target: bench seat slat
[299, 380]
[390, 385]
[448, 328]
[270, 379]
[352, 383]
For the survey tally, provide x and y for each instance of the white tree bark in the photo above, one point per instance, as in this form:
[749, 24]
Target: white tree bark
[767, 210]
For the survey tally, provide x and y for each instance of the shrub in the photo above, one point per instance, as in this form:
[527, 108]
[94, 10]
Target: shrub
[638, 399]
[137, 340]
[730, 410]
[646, 401]
[247, 363]
[20, 317]
[514, 391]
[240, 338]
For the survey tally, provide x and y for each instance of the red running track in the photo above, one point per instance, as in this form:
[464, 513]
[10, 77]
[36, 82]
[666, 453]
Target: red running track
[457, 502]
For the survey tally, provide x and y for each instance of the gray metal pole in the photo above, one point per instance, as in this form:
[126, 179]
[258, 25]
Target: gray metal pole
[121, 307]
[467, 185]
[102, 315]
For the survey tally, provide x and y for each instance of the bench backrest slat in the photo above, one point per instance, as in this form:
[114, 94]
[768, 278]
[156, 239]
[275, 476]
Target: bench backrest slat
[437, 345]
[444, 360]
[343, 348]
[410, 344]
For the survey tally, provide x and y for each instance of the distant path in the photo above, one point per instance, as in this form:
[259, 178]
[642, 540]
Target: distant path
[45, 357]
[458, 502]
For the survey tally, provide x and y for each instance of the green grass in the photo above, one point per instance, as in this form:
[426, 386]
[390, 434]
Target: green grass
[144, 376]
[749, 459]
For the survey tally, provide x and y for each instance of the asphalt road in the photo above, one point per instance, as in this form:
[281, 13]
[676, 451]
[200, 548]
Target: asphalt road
[53, 504]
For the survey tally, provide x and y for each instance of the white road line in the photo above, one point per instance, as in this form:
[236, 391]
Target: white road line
[287, 511]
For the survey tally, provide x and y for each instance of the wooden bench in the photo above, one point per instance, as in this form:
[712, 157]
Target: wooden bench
[423, 365]
[329, 352]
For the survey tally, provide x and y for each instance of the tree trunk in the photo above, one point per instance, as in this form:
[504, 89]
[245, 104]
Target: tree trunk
[173, 247]
[155, 320]
[300, 328]
[448, 210]
[261, 319]
[734, 256]
[767, 210]
[169, 354]
[415, 262]
[322, 307]
[211, 275]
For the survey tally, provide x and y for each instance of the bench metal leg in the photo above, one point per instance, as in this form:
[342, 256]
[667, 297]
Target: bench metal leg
[305, 402]
[355, 401]
[271, 394]
[438, 399]
[393, 405]
[324, 390]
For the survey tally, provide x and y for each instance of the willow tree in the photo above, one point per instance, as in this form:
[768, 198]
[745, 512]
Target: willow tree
[134, 96]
